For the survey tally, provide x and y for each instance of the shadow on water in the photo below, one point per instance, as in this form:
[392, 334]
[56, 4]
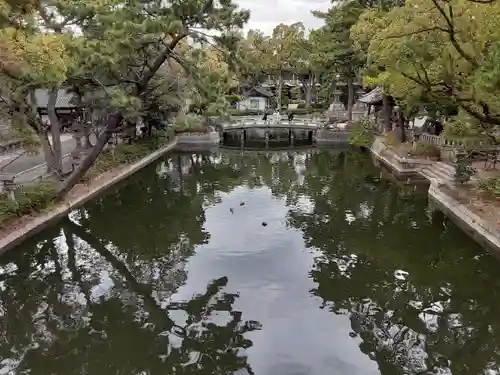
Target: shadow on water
[172, 271]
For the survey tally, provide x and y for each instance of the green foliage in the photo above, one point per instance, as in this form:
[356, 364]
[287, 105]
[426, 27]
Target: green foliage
[425, 149]
[127, 59]
[336, 48]
[189, 123]
[463, 168]
[438, 55]
[362, 133]
[490, 186]
[29, 199]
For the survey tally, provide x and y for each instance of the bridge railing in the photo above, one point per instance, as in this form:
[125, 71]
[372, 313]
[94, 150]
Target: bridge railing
[285, 123]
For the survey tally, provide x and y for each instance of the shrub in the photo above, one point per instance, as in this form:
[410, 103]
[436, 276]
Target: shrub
[490, 186]
[319, 106]
[426, 149]
[29, 199]
[189, 123]
[362, 133]
[463, 168]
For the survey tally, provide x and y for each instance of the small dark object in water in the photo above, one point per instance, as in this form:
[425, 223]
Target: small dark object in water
[242, 203]
[232, 211]
[264, 224]
[353, 334]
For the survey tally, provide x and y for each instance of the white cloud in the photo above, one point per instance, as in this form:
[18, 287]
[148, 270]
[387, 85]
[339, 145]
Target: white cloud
[266, 14]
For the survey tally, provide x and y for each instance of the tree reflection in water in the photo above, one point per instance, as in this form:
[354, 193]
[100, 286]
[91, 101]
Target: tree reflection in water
[420, 302]
[93, 295]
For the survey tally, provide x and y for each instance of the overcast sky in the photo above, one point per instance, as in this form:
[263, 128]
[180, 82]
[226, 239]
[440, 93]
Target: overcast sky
[266, 14]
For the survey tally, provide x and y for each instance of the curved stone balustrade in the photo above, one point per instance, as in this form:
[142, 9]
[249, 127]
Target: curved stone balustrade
[295, 124]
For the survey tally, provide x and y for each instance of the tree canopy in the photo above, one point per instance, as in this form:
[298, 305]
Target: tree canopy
[442, 56]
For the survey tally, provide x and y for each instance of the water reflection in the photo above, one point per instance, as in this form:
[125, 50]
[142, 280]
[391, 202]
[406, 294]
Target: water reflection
[173, 272]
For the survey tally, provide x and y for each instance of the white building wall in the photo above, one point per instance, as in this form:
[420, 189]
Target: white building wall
[254, 103]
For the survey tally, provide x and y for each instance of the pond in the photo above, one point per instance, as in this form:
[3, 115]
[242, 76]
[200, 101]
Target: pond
[285, 263]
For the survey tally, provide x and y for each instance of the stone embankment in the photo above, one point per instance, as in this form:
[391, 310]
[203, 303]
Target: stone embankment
[462, 208]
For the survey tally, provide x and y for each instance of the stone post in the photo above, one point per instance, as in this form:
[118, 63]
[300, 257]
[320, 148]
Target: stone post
[267, 138]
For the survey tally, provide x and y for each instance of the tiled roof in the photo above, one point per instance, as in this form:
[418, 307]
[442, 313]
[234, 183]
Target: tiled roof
[259, 91]
[65, 99]
[373, 97]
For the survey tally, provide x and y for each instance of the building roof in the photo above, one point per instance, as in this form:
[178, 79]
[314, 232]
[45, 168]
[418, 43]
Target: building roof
[259, 91]
[65, 99]
[373, 97]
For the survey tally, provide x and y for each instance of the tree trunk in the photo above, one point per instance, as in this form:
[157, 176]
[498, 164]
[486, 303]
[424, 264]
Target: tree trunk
[55, 129]
[115, 119]
[41, 132]
[350, 97]
[401, 123]
[386, 115]
[47, 152]
[86, 163]
[308, 92]
[279, 89]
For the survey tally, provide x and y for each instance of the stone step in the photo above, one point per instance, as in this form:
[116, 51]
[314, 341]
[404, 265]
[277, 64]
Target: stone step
[445, 168]
[432, 176]
[448, 170]
[443, 175]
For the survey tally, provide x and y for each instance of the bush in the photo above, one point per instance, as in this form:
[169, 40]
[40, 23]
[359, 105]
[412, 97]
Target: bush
[427, 150]
[362, 133]
[463, 168]
[490, 186]
[189, 123]
[319, 106]
[29, 199]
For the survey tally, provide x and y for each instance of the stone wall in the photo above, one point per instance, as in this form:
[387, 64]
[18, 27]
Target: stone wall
[212, 138]
[330, 136]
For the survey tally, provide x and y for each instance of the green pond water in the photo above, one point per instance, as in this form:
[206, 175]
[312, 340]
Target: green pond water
[173, 272]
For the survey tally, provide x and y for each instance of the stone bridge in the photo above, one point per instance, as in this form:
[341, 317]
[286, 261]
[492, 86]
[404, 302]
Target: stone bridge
[296, 132]
[299, 124]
